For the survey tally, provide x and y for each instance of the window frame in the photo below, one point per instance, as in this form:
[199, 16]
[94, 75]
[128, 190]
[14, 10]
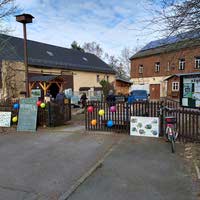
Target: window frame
[98, 78]
[141, 69]
[168, 66]
[157, 67]
[107, 78]
[181, 64]
[175, 86]
[197, 60]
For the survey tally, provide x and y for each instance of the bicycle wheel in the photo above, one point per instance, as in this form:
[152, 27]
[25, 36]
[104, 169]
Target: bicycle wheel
[173, 145]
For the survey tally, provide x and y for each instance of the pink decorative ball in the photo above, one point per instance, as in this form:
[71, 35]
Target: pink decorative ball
[112, 109]
[90, 109]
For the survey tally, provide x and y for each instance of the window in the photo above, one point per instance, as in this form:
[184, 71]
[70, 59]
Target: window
[108, 78]
[197, 63]
[157, 67]
[181, 64]
[141, 68]
[98, 78]
[175, 86]
[168, 66]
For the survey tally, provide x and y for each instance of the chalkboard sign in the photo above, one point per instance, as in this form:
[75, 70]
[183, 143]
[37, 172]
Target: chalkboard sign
[5, 118]
[27, 114]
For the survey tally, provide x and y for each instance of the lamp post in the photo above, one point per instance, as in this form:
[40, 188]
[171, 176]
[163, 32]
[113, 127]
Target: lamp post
[24, 19]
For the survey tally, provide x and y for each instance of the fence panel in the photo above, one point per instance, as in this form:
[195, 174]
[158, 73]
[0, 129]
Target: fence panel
[188, 121]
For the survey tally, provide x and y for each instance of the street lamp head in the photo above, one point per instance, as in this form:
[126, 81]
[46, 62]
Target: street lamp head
[24, 18]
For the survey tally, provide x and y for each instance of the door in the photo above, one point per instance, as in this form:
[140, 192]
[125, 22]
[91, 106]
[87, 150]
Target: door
[154, 91]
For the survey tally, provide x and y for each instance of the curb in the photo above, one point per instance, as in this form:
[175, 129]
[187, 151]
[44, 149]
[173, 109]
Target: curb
[83, 178]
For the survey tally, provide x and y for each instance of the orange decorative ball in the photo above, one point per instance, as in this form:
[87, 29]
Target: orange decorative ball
[94, 122]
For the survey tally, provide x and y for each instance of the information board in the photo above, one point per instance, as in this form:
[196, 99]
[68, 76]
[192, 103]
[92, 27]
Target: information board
[5, 118]
[27, 114]
[190, 92]
[144, 126]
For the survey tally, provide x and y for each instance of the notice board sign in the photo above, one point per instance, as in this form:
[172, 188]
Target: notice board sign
[190, 94]
[27, 114]
[144, 126]
[5, 118]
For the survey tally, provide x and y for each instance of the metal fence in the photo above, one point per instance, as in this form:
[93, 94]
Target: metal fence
[188, 121]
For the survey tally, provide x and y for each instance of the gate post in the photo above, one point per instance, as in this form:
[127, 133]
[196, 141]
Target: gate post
[161, 117]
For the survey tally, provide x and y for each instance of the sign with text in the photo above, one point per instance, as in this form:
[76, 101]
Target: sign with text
[5, 118]
[27, 114]
[144, 126]
[190, 92]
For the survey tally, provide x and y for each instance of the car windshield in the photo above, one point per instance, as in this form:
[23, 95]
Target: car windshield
[139, 92]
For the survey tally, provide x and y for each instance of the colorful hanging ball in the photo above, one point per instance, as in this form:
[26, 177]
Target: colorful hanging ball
[112, 109]
[90, 109]
[42, 105]
[101, 112]
[16, 106]
[94, 122]
[110, 123]
[14, 119]
[39, 103]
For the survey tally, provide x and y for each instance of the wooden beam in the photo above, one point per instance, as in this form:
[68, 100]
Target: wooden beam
[58, 85]
[48, 86]
[41, 85]
[45, 88]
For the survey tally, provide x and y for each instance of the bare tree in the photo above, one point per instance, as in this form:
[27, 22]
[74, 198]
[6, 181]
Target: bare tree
[7, 8]
[175, 16]
[124, 57]
[94, 48]
[75, 45]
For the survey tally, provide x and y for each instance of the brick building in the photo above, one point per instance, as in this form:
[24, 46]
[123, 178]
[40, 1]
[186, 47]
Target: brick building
[154, 65]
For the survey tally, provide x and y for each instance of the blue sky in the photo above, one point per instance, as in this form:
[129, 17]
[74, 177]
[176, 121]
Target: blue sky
[114, 24]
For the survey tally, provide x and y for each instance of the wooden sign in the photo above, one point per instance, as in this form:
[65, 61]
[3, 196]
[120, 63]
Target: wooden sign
[27, 114]
[5, 118]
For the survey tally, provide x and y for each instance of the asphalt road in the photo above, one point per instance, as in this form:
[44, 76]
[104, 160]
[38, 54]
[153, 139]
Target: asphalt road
[140, 168]
[44, 166]
[47, 165]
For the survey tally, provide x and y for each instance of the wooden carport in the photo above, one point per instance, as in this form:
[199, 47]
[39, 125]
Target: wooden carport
[45, 82]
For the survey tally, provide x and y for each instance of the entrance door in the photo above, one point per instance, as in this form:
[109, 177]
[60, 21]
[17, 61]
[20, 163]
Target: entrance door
[154, 91]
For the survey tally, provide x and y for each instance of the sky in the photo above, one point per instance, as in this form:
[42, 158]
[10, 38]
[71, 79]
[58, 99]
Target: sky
[114, 24]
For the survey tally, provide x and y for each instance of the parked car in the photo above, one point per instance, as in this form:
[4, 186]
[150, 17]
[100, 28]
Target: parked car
[138, 95]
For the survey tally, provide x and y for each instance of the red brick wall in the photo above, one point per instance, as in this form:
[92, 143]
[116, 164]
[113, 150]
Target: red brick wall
[173, 57]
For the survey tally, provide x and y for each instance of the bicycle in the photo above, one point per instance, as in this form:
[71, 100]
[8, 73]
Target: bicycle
[170, 132]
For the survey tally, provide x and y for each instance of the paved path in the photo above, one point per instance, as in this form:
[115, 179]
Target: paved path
[139, 168]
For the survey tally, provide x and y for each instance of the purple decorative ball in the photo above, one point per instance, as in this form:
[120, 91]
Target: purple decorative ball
[112, 109]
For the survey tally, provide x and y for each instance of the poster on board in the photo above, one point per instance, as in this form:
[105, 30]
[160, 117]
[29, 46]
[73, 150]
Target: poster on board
[27, 114]
[5, 118]
[144, 126]
[191, 92]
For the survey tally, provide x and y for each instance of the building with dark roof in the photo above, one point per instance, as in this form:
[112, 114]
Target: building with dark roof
[79, 69]
[160, 59]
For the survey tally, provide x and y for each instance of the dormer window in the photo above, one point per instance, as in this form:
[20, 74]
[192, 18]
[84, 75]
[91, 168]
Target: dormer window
[181, 64]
